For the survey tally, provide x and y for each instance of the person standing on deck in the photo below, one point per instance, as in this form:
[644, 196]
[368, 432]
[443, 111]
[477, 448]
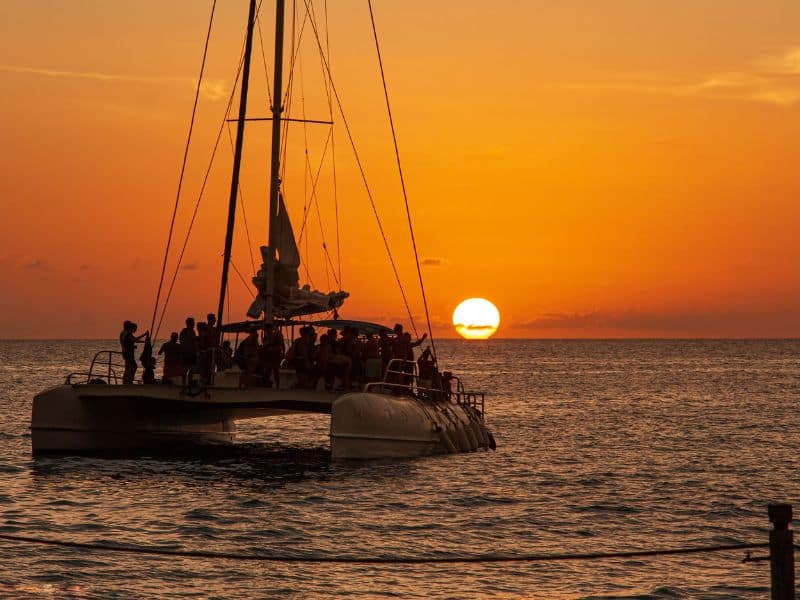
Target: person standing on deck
[127, 340]
[403, 349]
[189, 349]
[385, 350]
[208, 347]
[172, 357]
[273, 353]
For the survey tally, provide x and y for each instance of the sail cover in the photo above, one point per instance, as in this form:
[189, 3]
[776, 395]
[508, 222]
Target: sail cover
[288, 254]
[289, 299]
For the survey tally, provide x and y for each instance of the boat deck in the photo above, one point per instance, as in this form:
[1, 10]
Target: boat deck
[234, 402]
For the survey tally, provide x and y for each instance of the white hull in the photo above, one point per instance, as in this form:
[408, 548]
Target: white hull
[369, 425]
[94, 418]
[86, 418]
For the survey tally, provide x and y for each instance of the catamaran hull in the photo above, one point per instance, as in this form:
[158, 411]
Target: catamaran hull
[66, 420]
[95, 418]
[368, 425]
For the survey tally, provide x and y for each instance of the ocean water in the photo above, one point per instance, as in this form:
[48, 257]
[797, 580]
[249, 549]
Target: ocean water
[602, 445]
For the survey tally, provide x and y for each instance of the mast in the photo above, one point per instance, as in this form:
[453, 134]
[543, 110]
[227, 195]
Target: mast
[237, 163]
[274, 180]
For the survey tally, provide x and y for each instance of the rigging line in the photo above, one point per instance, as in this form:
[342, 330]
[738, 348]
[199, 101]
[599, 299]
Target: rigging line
[183, 167]
[197, 203]
[381, 560]
[402, 178]
[315, 200]
[289, 96]
[327, 83]
[364, 180]
[203, 186]
[308, 174]
[296, 51]
[241, 204]
[243, 280]
[264, 58]
[316, 181]
[306, 170]
[287, 101]
[333, 148]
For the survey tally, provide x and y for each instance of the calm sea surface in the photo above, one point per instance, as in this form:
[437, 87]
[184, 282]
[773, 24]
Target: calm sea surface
[603, 445]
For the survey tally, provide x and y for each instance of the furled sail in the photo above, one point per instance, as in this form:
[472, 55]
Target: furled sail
[289, 299]
[288, 254]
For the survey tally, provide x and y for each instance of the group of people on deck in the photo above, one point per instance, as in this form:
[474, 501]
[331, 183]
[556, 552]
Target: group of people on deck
[349, 357]
[192, 351]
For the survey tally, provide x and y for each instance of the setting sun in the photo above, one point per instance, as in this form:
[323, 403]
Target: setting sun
[476, 319]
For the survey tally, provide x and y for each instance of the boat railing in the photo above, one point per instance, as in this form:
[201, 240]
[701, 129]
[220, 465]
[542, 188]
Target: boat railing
[476, 400]
[107, 366]
[402, 376]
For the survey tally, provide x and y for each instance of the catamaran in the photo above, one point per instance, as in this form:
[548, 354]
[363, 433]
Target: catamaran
[399, 414]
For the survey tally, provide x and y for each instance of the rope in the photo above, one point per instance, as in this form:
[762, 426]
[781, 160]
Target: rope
[264, 58]
[243, 280]
[363, 177]
[199, 199]
[373, 560]
[328, 83]
[183, 168]
[241, 205]
[204, 184]
[402, 178]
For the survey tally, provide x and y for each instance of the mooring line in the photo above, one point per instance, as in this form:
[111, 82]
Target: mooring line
[372, 560]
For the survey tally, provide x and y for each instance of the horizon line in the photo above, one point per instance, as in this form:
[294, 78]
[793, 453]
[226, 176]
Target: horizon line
[460, 339]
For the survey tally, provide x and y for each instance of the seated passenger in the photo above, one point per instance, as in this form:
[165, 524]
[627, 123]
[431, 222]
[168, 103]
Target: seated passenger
[225, 357]
[372, 358]
[300, 356]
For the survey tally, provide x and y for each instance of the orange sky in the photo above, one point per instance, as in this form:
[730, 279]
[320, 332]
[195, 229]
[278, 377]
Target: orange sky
[608, 169]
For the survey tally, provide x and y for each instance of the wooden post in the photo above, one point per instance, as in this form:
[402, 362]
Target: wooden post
[781, 552]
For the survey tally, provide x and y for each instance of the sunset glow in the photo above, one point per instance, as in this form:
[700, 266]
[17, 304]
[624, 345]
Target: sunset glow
[631, 179]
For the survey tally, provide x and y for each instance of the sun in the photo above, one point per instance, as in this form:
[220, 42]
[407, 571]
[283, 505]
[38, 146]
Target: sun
[476, 319]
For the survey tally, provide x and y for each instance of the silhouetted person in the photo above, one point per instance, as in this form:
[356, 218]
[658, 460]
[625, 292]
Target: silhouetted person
[207, 340]
[127, 340]
[273, 353]
[189, 350]
[372, 358]
[385, 349]
[172, 358]
[225, 357]
[426, 368]
[147, 360]
[301, 357]
[247, 357]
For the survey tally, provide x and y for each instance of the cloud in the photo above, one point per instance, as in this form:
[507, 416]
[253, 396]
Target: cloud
[474, 327]
[623, 320]
[771, 79]
[433, 261]
[212, 89]
[37, 265]
[779, 322]
[192, 266]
